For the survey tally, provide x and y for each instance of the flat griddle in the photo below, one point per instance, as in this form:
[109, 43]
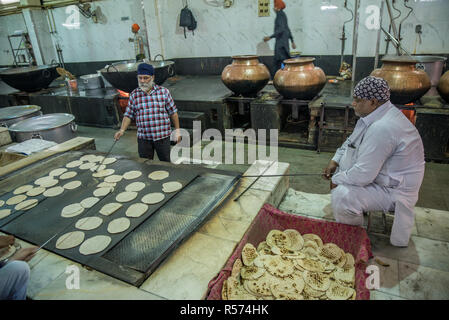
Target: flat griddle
[135, 253]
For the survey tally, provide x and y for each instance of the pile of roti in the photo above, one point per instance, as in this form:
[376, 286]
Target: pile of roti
[291, 266]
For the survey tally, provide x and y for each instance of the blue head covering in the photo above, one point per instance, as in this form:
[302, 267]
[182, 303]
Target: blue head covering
[145, 69]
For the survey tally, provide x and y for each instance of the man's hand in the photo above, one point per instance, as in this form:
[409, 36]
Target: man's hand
[118, 134]
[25, 254]
[330, 170]
[177, 136]
[6, 241]
[293, 45]
[266, 39]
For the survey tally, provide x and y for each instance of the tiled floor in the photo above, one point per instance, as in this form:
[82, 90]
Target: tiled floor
[420, 271]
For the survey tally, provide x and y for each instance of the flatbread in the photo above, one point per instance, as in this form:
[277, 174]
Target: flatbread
[103, 173]
[106, 185]
[89, 202]
[158, 175]
[98, 167]
[135, 187]
[279, 267]
[72, 185]
[331, 251]
[313, 237]
[95, 244]
[16, 200]
[119, 225]
[339, 292]
[278, 238]
[136, 210]
[113, 178]
[130, 175]
[57, 172]
[70, 240]
[27, 204]
[101, 192]
[297, 242]
[110, 208]
[172, 186]
[87, 166]
[126, 196]
[251, 273]
[153, 198]
[68, 175]
[2, 203]
[35, 191]
[88, 157]
[97, 159]
[109, 161]
[4, 213]
[249, 253]
[74, 164]
[72, 210]
[46, 182]
[23, 189]
[318, 281]
[53, 192]
[89, 223]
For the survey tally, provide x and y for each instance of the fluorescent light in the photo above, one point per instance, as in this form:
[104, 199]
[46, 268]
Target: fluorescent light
[328, 7]
[9, 1]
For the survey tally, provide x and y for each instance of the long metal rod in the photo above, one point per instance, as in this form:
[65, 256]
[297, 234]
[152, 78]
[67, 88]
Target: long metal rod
[284, 175]
[376, 59]
[107, 154]
[355, 37]
[236, 199]
[146, 30]
[393, 25]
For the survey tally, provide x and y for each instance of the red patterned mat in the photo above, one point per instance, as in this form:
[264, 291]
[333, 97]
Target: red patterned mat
[350, 238]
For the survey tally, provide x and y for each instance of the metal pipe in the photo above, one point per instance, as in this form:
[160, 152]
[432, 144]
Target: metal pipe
[400, 24]
[146, 30]
[376, 59]
[354, 37]
[393, 25]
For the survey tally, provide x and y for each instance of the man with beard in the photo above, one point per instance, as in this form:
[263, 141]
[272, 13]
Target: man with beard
[152, 107]
[380, 167]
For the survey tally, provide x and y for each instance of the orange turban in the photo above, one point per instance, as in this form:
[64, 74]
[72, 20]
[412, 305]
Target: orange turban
[279, 4]
[135, 27]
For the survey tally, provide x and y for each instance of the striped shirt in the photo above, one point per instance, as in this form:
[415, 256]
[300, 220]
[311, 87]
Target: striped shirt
[152, 112]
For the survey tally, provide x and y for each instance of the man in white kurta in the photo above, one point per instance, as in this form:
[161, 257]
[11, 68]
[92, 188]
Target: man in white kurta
[380, 167]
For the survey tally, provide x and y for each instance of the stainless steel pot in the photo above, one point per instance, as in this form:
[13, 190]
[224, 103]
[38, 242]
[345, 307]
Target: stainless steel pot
[92, 81]
[11, 115]
[57, 127]
[433, 66]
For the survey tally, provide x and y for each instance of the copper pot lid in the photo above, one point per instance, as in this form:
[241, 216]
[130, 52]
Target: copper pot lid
[400, 59]
[9, 113]
[299, 60]
[44, 122]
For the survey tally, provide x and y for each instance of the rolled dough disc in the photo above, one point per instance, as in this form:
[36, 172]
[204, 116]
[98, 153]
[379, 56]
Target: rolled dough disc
[88, 157]
[70, 240]
[57, 172]
[27, 204]
[89, 202]
[4, 213]
[74, 164]
[23, 189]
[95, 244]
[101, 192]
[72, 185]
[53, 192]
[158, 175]
[106, 185]
[2, 203]
[135, 187]
[46, 182]
[136, 210]
[153, 198]
[118, 225]
[110, 208]
[87, 166]
[171, 186]
[97, 167]
[97, 159]
[72, 210]
[130, 175]
[16, 200]
[89, 223]
[113, 179]
[126, 196]
[103, 173]
[109, 160]
[35, 191]
[68, 175]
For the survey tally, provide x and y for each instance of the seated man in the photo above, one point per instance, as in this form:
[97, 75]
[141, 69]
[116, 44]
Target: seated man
[380, 167]
[15, 272]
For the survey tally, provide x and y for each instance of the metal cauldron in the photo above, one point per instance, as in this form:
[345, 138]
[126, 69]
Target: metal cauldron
[443, 86]
[57, 127]
[29, 79]
[246, 75]
[11, 115]
[123, 75]
[407, 84]
[92, 81]
[300, 79]
[433, 66]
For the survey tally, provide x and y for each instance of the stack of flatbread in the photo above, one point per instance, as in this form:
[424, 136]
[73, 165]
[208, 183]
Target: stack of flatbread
[291, 266]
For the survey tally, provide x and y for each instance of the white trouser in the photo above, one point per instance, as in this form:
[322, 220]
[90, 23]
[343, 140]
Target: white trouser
[14, 278]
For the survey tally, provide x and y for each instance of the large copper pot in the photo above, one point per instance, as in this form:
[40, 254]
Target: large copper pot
[246, 75]
[443, 86]
[407, 84]
[299, 79]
